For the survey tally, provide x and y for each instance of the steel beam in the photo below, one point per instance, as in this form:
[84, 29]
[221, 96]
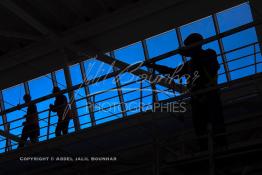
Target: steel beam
[90, 103]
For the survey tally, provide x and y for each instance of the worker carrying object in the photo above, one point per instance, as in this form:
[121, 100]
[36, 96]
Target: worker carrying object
[206, 106]
[61, 107]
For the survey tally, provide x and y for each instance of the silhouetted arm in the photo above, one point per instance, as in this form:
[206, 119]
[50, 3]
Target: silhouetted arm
[180, 70]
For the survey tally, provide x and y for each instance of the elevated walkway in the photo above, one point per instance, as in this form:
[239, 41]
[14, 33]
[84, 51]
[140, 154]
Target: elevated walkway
[154, 141]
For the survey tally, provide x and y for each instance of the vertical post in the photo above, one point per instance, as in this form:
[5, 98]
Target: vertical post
[141, 95]
[153, 84]
[90, 104]
[221, 47]
[180, 41]
[6, 124]
[26, 86]
[156, 160]
[255, 58]
[72, 98]
[54, 80]
[211, 149]
[48, 125]
[119, 89]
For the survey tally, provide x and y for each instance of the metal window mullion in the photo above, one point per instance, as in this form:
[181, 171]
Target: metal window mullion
[119, 89]
[180, 41]
[6, 124]
[221, 47]
[71, 95]
[87, 91]
[54, 80]
[26, 86]
[153, 85]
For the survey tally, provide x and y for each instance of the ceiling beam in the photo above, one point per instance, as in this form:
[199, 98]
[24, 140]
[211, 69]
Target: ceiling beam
[18, 11]
[11, 34]
[133, 24]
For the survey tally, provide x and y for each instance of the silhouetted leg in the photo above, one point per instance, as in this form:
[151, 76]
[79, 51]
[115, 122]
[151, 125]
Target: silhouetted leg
[216, 112]
[200, 123]
[23, 137]
[65, 127]
[34, 135]
[58, 129]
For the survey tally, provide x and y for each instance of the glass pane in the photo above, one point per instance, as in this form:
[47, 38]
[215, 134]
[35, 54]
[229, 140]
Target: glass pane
[204, 26]
[131, 54]
[76, 75]
[95, 68]
[234, 17]
[41, 86]
[162, 43]
[13, 96]
[240, 58]
[60, 78]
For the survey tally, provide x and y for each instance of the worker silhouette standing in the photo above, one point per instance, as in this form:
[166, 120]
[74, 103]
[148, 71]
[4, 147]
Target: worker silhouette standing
[206, 106]
[62, 109]
[31, 125]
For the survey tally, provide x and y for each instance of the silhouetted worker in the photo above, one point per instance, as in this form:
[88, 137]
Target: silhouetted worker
[31, 125]
[62, 109]
[206, 106]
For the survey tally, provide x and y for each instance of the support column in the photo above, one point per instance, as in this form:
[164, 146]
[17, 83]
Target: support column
[119, 89]
[6, 124]
[90, 103]
[26, 86]
[71, 95]
[54, 80]
[221, 47]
